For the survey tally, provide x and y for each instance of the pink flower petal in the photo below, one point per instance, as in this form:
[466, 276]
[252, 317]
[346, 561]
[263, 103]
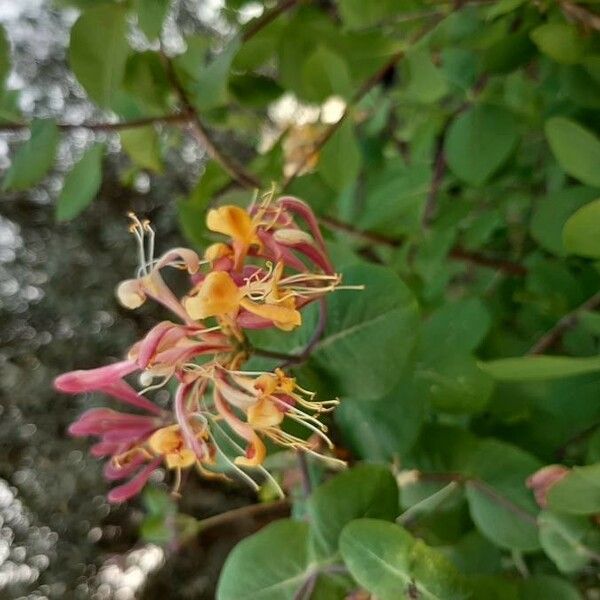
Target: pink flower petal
[133, 487]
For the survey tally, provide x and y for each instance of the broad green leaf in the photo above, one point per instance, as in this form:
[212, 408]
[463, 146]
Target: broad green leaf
[9, 106]
[499, 502]
[576, 149]
[426, 83]
[369, 333]
[211, 86]
[453, 383]
[4, 57]
[151, 15]
[81, 184]
[581, 231]
[562, 42]
[98, 51]
[460, 325]
[546, 587]
[364, 491]
[382, 429]
[270, 565]
[325, 73]
[340, 160]
[394, 198]
[562, 537]
[358, 14]
[191, 63]
[143, 147]
[255, 91]
[551, 213]
[260, 47]
[479, 141]
[34, 158]
[389, 562]
[578, 493]
[530, 368]
[146, 80]
[508, 53]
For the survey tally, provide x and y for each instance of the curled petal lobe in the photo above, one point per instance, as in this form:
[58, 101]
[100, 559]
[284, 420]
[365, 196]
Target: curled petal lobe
[187, 257]
[130, 293]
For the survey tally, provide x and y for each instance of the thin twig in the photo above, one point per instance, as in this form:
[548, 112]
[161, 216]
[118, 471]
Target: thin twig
[245, 512]
[307, 486]
[266, 18]
[439, 170]
[198, 129]
[506, 266]
[484, 488]
[554, 335]
[580, 14]
[457, 253]
[181, 117]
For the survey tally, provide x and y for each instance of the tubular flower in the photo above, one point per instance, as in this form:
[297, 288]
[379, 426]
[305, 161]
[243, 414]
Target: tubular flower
[219, 416]
[266, 400]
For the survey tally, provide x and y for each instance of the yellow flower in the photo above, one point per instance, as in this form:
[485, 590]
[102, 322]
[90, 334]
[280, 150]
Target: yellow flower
[236, 223]
[169, 443]
[219, 296]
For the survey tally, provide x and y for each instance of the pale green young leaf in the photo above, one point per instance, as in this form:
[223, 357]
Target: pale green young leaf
[578, 493]
[81, 184]
[551, 213]
[531, 368]
[143, 147]
[576, 149]
[151, 15]
[581, 231]
[98, 50]
[562, 42]
[34, 158]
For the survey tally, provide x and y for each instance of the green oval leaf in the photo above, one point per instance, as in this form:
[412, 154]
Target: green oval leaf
[561, 537]
[98, 51]
[560, 41]
[389, 562]
[340, 160]
[531, 368]
[578, 493]
[35, 158]
[581, 234]
[143, 147]
[576, 149]
[369, 333]
[151, 15]
[364, 491]
[81, 184]
[499, 502]
[270, 565]
[479, 141]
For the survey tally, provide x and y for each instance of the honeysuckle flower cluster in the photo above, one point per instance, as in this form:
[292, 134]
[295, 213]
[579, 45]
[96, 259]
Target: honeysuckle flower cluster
[273, 264]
